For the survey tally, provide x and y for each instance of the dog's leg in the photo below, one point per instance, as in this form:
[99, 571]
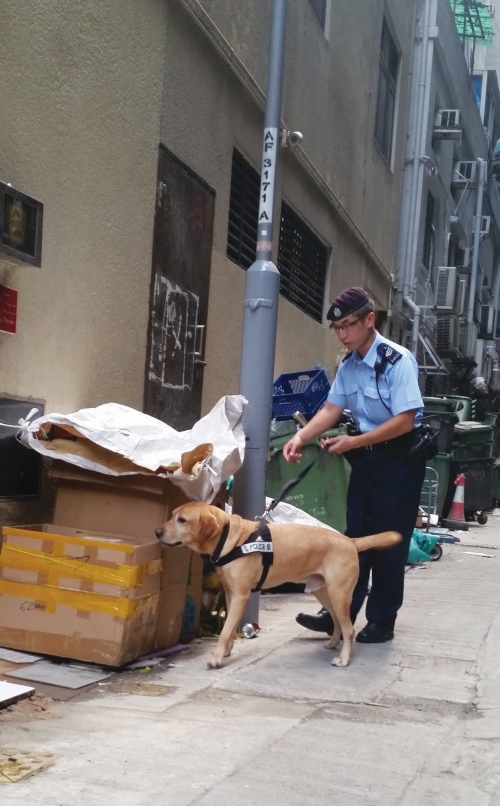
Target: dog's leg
[341, 606]
[324, 600]
[235, 612]
[228, 607]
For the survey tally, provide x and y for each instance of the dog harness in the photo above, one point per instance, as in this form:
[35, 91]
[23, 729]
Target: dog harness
[259, 542]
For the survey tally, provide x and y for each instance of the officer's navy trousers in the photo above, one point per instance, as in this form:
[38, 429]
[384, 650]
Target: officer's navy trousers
[383, 495]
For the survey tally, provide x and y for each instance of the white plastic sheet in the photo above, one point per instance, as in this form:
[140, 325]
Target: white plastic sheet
[117, 440]
[287, 513]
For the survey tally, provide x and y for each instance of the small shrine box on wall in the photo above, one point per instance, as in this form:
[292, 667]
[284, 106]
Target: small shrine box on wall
[21, 219]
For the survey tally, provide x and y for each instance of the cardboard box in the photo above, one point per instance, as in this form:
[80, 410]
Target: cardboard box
[134, 505]
[128, 505]
[74, 559]
[192, 608]
[91, 597]
[176, 561]
[137, 505]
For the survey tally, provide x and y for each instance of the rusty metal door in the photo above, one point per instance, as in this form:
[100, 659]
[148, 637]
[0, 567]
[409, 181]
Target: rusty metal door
[182, 248]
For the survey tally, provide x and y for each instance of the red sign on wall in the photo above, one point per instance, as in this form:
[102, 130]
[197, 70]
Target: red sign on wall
[8, 309]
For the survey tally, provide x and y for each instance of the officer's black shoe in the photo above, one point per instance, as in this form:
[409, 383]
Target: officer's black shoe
[375, 632]
[321, 622]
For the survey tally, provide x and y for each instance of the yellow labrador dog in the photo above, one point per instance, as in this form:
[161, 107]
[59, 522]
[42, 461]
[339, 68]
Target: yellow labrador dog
[326, 561]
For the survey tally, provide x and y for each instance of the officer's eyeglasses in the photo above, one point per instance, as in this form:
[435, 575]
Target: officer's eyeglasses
[344, 327]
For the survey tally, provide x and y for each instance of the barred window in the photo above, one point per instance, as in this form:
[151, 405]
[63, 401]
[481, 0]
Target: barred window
[243, 212]
[302, 261]
[386, 101]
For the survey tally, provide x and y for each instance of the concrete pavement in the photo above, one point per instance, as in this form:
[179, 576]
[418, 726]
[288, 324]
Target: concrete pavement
[412, 722]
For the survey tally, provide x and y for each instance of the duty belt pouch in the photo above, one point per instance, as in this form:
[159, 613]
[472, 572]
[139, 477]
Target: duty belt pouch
[424, 446]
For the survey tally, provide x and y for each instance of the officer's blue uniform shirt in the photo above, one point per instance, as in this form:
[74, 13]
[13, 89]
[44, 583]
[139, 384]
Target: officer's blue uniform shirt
[355, 387]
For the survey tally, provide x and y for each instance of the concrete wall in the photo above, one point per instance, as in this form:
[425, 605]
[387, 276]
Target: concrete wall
[330, 91]
[88, 91]
[80, 98]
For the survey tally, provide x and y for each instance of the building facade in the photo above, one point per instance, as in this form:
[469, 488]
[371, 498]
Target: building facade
[447, 277]
[138, 127]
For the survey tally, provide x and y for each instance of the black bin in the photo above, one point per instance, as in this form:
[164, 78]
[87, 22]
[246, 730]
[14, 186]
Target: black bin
[443, 424]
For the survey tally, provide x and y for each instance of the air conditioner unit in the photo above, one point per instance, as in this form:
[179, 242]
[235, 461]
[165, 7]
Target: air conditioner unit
[464, 173]
[477, 309]
[447, 125]
[461, 296]
[447, 334]
[462, 338]
[445, 288]
[463, 258]
[485, 224]
[487, 316]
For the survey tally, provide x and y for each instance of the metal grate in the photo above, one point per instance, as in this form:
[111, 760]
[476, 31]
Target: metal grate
[243, 212]
[302, 261]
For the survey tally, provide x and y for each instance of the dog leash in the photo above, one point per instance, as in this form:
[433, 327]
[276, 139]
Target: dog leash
[291, 484]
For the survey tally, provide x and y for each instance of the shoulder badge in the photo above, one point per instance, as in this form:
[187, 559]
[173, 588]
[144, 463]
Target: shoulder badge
[388, 355]
[347, 356]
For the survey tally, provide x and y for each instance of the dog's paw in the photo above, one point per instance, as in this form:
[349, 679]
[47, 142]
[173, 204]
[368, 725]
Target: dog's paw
[331, 644]
[340, 662]
[214, 662]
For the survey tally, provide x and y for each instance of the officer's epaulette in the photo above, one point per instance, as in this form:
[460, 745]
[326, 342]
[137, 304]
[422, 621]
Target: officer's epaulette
[388, 354]
[347, 356]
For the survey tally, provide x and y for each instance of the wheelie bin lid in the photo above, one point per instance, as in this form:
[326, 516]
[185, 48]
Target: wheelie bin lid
[470, 426]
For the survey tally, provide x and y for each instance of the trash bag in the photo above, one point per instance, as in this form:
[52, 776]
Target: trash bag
[421, 546]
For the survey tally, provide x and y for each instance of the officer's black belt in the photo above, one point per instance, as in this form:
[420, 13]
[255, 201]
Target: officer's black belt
[259, 542]
[403, 441]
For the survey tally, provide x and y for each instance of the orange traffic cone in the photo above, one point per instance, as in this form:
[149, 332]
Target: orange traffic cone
[457, 512]
[456, 517]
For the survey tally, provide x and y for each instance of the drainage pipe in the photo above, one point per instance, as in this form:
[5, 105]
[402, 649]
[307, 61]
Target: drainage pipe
[416, 323]
[483, 165]
[417, 128]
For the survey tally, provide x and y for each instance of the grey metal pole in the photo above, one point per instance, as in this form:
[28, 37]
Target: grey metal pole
[260, 310]
[483, 165]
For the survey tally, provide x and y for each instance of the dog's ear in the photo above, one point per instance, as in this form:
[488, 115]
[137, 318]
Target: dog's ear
[209, 528]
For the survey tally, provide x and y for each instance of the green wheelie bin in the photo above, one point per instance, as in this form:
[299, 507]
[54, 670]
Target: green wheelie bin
[441, 464]
[323, 492]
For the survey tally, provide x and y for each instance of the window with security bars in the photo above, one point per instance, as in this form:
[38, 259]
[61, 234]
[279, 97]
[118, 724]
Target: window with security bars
[387, 87]
[302, 261]
[243, 212]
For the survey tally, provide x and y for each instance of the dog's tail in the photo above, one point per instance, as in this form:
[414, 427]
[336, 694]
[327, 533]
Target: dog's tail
[382, 541]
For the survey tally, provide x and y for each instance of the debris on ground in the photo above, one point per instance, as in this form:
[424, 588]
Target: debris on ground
[25, 709]
[16, 764]
[11, 693]
[137, 687]
[13, 656]
[480, 554]
[58, 674]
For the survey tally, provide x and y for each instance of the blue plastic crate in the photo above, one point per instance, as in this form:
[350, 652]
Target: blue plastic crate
[300, 391]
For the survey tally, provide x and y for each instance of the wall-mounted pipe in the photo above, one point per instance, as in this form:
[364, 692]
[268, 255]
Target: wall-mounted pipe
[416, 323]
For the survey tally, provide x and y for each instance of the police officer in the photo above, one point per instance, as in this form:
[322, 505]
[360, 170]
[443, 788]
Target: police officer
[377, 382]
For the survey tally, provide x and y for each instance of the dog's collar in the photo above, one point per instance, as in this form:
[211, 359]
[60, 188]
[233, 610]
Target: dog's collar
[220, 545]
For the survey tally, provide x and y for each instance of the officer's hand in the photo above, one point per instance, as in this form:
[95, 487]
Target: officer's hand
[339, 444]
[293, 449]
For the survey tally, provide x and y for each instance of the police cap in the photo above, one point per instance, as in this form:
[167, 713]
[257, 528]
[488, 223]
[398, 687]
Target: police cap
[349, 301]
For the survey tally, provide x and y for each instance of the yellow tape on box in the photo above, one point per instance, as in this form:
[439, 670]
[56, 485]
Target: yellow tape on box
[47, 598]
[57, 566]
